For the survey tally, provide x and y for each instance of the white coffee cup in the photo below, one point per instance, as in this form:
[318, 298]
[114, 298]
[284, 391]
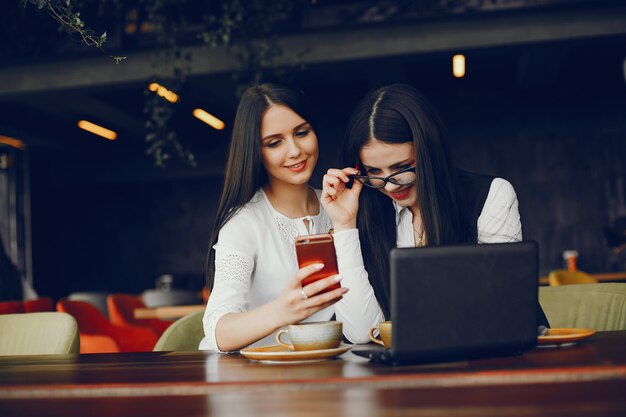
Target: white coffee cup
[312, 336]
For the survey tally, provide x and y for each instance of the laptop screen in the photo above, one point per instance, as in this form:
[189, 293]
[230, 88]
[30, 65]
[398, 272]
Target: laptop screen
[463, 300]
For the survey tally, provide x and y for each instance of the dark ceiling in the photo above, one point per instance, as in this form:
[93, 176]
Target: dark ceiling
[590, 67]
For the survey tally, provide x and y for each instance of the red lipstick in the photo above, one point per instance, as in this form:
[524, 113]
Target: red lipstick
[300, 166]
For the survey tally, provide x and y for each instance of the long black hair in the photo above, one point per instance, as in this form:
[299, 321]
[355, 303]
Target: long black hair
[399, 113]
[244, 169]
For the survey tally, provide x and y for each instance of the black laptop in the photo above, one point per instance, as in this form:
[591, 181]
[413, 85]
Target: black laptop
[461, 302]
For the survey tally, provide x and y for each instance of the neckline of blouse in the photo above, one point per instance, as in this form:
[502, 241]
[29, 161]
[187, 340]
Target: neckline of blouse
[399, 210]
[278, 213]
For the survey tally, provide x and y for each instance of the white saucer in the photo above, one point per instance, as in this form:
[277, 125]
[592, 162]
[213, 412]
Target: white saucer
[281, 354]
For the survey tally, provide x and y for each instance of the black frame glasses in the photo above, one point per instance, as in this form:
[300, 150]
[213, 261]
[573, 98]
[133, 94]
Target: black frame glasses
[364, 178]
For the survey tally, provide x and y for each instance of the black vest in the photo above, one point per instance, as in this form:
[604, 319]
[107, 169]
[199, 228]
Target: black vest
[473, 190]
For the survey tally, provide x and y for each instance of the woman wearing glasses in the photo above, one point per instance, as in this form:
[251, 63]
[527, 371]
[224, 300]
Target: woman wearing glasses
[400, 189]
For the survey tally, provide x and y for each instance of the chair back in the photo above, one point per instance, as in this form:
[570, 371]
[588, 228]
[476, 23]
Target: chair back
[122, 309]
[184, 335]
[38, 305]
[41, 333]
[563, 277]
[11, 307]
[206, 292]
[596, 306]
[96, 298]
[89, 318]
[91, 322]
[122, 313]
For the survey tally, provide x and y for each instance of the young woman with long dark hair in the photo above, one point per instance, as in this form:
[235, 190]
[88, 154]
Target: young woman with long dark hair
[266, 203]
[406, 192]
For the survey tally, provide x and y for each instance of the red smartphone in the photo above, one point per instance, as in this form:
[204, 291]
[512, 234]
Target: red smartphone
[315, 249]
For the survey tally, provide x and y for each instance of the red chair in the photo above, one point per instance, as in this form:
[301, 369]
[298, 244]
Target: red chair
[98, 335]
[11, 307]
[122, 313]
[206, 292]
[38, 304]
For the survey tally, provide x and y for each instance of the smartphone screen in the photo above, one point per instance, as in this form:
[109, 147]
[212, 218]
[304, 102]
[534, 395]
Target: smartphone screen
[314, 249]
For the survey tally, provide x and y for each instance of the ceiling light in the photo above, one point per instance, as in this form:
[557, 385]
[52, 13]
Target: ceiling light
[15, 143]
[458, 66]
[209, 119]
[163, 92]
[97, 130]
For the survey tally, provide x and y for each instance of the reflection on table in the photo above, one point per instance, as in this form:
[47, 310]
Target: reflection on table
[585, 379]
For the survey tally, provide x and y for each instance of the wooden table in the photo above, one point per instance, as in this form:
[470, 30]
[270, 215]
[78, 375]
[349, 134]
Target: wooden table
[584, 380]
[601, 277]
[168, 312]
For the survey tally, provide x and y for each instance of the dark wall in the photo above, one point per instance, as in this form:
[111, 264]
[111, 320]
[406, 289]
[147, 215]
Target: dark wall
[566, 161]
[121, 237]
[550, 122]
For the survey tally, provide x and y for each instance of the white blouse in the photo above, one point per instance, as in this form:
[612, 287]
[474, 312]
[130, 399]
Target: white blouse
[499, 222]
[255, 257]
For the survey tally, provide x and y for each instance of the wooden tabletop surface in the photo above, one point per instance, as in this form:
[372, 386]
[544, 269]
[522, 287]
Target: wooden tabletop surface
[600, 276]
[585, 379]
[167, 312]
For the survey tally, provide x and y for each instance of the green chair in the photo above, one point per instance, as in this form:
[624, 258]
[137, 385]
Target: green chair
[184, 335]
[596, 306]
[38, 334]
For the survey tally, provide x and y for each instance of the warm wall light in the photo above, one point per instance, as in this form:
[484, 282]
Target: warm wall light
[15, 143]
[97, 130]
[209, 119]
[458, 66]
[163, 92]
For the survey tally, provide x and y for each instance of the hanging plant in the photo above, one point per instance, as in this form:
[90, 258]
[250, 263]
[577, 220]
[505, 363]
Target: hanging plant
[248, 30]
[171, 68]
[245, 28]
[249, 23]
[72, 23]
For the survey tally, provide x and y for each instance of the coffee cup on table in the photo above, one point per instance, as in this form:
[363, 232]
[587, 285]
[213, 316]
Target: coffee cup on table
[384, 332]
[312, 336]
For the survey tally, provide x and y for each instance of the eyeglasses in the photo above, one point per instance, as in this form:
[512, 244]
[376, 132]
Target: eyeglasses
[405, 176]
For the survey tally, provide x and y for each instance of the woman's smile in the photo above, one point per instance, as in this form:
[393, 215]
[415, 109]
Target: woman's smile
[298, 167]
[401, 195]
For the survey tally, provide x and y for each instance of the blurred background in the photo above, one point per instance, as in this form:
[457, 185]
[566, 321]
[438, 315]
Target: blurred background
[538, 96]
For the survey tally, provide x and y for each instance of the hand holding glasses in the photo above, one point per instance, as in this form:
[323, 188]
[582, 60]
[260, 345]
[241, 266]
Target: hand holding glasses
[341, 189]
[405, 176]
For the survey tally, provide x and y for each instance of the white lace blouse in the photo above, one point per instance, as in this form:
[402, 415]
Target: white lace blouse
[499, 221]
[255, 257]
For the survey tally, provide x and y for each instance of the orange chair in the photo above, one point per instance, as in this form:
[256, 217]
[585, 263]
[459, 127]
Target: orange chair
[122, 313]
[563, 277]
[38, 305]
[11, 307]
[206, 292]
[98, 335]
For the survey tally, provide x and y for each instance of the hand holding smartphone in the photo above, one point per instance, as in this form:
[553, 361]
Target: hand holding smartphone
[314, 249]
